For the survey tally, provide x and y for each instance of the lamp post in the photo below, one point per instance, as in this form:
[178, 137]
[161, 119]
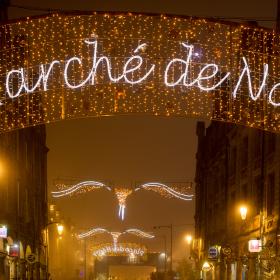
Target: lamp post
[243, 214]
[60, 229]
[189, 239]
[85, 259]
[206, 267]
[170, 227]
[164, 255]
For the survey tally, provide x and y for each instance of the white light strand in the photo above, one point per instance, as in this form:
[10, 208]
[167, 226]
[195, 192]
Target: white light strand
[139, 233]
[78, 187]
[43, 77]
[169, 190]
[137, 61]
[246, 70]
[92, 232]
[121, 211]
[184, 77]
[115, 234]
[119, 249]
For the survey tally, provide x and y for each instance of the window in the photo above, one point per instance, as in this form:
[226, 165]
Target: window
[258, 193]
[270, 143]
[232, 162]
[244, 152]
[270, 194]
[258, 144]
[232, 197]
[245, 192]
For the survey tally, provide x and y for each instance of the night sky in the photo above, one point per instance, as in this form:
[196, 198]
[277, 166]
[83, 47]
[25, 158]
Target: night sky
[129, 149]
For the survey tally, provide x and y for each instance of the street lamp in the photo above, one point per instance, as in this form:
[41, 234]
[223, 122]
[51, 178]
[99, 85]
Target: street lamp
[243, 212]
[206, 266]
[2, 169]
[60, 229]
[170, 227]
[188, 238]
[163, 256]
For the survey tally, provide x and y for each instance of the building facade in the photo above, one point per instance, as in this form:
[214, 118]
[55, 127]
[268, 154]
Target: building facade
[68, 256]
[23, 192]
[237, 167]
[23, 203]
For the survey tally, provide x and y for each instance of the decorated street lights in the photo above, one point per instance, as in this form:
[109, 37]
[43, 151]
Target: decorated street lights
[189, 239]
[243, 212]
[60, 229]
[206, 267]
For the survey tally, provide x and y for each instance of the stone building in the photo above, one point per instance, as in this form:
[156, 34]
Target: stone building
[23, 201]
[237, 166]
[66, 253]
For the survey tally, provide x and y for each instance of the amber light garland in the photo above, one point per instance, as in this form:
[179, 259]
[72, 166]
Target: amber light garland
[115, 234]
[121, 249]
[33, 44]
[179, 192]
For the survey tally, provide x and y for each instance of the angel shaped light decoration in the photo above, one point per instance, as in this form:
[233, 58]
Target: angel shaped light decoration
[122, 193]
[115, 234]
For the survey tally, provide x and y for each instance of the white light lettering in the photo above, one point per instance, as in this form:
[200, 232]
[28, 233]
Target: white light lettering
[46, 75]
[43, 76]
[270, 95]
[96, 63]
[139, 61]
[184, 77]
[246, 70]
[215, 72]
[73, 59]
[21, 77]
[177, 72]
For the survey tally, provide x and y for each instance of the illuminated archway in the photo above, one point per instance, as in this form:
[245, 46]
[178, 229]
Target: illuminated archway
[66, 66]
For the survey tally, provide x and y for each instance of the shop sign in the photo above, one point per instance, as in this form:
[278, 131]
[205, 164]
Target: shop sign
[31, 258]
[254, 246]
[3, 232]
[213, 253]
[14, 250]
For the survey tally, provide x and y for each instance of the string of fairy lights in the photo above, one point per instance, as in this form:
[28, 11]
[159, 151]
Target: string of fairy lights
[122, 193]
[115, 248]
[121, 249]
[64, 66]
[115, 234]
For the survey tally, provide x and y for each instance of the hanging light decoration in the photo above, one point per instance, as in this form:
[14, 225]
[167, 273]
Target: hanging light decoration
[123, 193]
[79, 188]
[115, 234]
[164, 191]
[92, 232]
[50, 69]
[121, 249]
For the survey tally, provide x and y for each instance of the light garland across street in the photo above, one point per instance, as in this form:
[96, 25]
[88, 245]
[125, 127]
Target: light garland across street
[66, 66]
[121, 249]
[122, 193]
[115, 235]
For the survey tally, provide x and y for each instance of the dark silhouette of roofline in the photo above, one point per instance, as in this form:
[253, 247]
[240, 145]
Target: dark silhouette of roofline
[118, 13]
